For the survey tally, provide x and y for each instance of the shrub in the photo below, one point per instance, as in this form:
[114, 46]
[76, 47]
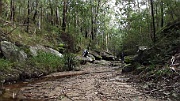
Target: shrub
[5, 65]
[70, 62]
[47, 61]
[151, 68]
[163, 72]
[128, 59]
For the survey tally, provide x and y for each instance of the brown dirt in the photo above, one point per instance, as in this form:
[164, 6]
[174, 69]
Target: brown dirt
[93, 83]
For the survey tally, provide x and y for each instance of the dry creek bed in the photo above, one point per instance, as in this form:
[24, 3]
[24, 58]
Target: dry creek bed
[92, 83]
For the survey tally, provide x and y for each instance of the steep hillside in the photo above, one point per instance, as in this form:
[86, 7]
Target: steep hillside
[158, 68]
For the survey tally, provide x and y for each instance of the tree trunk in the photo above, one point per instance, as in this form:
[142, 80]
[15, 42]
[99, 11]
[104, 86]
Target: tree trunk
[57, 16]
[162, 14]
[95, 19]
[0, 7]
[28, 6]
[107, 41]
[92, 22]
[12, 10]
[64, 15]
[51, 17]
[36, 11]
[153, 22]
[40, 18]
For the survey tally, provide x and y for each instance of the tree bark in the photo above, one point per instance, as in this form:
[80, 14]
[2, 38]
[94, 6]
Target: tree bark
[52, 11]
[36, 11]
[28, 6]
[92, 22]
[40, 17]
[95, 19]
[0, 7]
[64, 15]
[153, 22]
[57, 16]
[12, 10]
[162, 14]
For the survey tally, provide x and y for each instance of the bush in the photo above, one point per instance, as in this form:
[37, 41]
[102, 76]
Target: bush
[70, 62]
[129, 59]
[163, 72]
[53, 63]
[47, 60]
[5, 65]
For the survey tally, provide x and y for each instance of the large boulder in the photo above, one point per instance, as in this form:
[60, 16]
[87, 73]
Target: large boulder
[102, 62]
[84, 60]
[96, 55]
[107, 56]
[141, 56]
[55, 52]
[12, 52]
[34, 50]
[128, 68]
[91, 57]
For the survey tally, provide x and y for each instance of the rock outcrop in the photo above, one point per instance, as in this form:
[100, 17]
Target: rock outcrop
[34, 50]
[96, 55]
[84, 60]
[102, 62]
[128, 68]
[12, 52]
[91, 57]
[107, 56]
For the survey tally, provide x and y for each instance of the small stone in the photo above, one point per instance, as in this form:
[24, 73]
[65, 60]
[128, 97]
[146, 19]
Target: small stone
[175, 95]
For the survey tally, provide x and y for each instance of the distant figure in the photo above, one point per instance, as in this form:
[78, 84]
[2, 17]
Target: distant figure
[122, 57]
[85, 53]
[173, 65]
[172, 60]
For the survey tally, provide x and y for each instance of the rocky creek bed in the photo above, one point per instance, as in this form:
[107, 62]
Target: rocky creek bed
[92, 83]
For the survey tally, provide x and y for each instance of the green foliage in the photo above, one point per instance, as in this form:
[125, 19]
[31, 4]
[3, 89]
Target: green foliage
[5, 65]
[163, 72]
[61, 47]
[150, 68]
[47, 61]
[128, 59]
[70, 62]
[167, 45]
[155, 71]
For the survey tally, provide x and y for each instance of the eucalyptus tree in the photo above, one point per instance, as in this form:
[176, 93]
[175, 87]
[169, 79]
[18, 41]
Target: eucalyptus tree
[12, 10]
[65, 5]
[28, 15]
[1, 6]
[36, 4]
[153, 21]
